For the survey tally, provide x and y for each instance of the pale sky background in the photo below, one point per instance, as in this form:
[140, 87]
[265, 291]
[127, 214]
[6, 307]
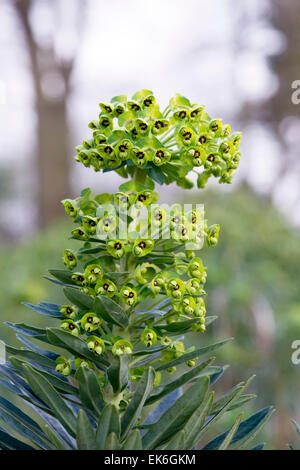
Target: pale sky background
[216, 53]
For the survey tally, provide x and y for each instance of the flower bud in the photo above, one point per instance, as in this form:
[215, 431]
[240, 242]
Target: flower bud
[128, 295]
[122, 149]
[142, 127]
[78, 278]
[144, 272]
[99, 138]
[198, 327]
[106, 287]
[143, 198]
[95, 344]
[115, 248]
[89, 224]
[191, 363]
[225, 131]
[90, 322]
[171, 370]
[186, 136]
[106, 108]
[159, 126]
[81, 362]
[226, 149]
[196, 155]
[161, 156]
[122, 347]
[149, 337]
[157, 216]
[69, 311]
[105, 122]
[193, 286]
[200, 309]
[70, 326]
[236, 138]
[70, 208]
[119, 109]
[157, 283]
[84, 156]
[80, 234]
[181, 114]
[187, 305]
[133, 106]
[69, 259]
[213, 235]
[197, 270]
[63, 366]
[98, 161]
[139, 157]
[175, 289]
[196, 113]
[142, 247]
[107, 224]
[216, 126]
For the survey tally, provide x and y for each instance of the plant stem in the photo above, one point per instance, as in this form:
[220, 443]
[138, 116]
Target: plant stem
[140, 175]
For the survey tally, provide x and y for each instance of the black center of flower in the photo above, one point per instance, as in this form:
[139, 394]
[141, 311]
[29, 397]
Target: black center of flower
[100, 158]
[143, 126]
[122, 148]
[197, 154]
[158, 216]
[134, 132]
[135, 107]
[202, 139]
[92, 223]
[105, 122]
[182, 114]
[187, 135]
[89, 319]
[215, 127]
[176, 219]
[140, 155]
[194, 219]
[70, 258]
[130, 295]
[211, 157]
[159, 124]
[147, 102]
[142, 245]
[155, 283]
[160, 154]
[105, 286]
[96, 343]
[71, 326]
[69, 310]
[176, 287]
[142, 197]
[117, 246]
[106, 222]
[194, 113]
[80, 278]
[108, 149]
[184, 231]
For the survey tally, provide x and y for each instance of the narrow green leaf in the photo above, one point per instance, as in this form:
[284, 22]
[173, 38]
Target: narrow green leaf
[112, 442]
[252, 426]
[89, 390]
[110, 311]
[8, 442]
[47, 393]
[31, 356]
[74, 345]
[133, 441]
[109, 422]
[177, 442]
[62, 275]
[83, 301]
[194, 425]
[118, 372]
[137, 401]
[180, 381]
[58, 443]
[193, 354]
[86, 439]
[22, 424]
[231, 433]
[176, 416]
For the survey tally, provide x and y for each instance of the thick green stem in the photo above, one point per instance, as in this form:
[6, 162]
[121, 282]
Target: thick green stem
[140, 175]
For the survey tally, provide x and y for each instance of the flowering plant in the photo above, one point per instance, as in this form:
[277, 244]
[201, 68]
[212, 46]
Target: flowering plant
[134, 289]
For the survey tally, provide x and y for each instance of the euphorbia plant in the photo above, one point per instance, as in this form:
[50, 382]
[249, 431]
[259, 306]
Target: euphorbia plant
[133, 289]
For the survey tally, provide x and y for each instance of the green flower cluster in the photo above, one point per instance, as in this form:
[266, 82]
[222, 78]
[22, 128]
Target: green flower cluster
[132, 133]
[133, 268]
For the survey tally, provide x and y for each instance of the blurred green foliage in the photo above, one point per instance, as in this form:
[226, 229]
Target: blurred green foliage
[253, 286]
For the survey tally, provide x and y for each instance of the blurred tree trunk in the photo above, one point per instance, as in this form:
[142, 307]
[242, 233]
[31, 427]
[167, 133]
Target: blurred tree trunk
[52, 162]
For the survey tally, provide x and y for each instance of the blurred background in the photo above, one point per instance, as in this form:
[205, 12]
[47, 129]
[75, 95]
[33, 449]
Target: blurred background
[59, 58]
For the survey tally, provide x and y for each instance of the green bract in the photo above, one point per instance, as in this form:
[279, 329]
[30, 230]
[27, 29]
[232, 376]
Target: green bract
[137, 290]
